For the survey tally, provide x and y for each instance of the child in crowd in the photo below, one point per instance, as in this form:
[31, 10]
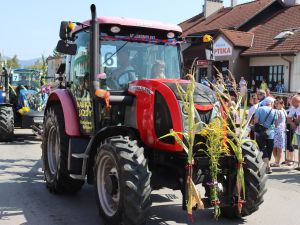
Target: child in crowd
[279, 131]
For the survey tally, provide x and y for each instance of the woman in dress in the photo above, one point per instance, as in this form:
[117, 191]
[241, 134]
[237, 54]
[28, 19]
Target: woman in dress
[279, 132]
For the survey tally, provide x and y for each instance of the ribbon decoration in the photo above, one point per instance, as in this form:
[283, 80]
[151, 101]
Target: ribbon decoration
[103, 94]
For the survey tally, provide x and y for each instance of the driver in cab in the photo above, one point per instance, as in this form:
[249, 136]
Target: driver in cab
[124, 72]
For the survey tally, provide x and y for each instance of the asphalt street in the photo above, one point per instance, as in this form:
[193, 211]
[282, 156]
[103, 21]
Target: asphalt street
[25, 200]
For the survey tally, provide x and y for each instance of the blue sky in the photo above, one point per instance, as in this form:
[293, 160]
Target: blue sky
[29, 28]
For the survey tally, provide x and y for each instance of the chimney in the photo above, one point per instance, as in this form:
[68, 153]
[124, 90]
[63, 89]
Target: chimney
[211, 6]
[233, 3]
[291, 2]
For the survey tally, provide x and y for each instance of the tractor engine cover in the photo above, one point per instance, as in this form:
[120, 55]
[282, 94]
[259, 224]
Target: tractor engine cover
[158, 109]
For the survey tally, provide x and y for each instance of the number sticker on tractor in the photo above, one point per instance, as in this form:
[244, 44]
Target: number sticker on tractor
[15, 77]
[108, 58]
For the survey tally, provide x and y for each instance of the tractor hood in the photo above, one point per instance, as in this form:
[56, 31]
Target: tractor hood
[203, 95]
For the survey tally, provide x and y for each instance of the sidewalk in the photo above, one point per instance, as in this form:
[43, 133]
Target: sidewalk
[284, 172]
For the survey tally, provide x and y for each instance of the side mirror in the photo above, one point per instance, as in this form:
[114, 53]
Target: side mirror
[66, 48]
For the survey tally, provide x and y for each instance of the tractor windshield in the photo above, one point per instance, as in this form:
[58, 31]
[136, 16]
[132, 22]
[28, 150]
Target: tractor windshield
[126, 57]
[26, 77]
[125, 60]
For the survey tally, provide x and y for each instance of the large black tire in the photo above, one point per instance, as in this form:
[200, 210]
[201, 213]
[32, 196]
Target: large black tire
[6, 123]
[55, 154]
[122, 182]
[255, 183]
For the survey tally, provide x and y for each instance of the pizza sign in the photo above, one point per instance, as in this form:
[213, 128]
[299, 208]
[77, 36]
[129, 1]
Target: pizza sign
[222, 48]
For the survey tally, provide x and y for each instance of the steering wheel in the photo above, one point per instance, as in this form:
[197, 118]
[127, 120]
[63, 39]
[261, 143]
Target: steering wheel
[113, 82]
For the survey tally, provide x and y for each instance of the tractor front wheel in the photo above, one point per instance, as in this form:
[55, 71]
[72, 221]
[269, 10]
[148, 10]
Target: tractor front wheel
[6, 123]
[122, 182]
[55, 154]
[255, 183]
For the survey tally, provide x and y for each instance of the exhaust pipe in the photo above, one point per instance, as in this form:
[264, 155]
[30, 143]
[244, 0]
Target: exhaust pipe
[94, 48]
[94, 63]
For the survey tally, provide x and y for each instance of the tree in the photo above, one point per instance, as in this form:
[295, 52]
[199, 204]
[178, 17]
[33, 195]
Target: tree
[40, 64]
[13, 62]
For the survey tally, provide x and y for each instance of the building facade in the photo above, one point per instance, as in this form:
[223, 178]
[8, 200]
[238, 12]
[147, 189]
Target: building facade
[53, 65]
[258, 40]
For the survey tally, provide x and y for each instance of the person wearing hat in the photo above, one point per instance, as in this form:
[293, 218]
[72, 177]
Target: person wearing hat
[266, 117]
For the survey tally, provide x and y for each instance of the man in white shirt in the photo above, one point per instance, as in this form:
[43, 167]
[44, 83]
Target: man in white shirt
[293, 119]
[243, 88]
[254, 105]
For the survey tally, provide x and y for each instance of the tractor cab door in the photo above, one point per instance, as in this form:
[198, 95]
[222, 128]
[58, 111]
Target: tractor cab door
[79, 70]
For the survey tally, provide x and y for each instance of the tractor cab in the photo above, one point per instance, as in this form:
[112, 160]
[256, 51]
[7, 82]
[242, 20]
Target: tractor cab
[129, 50]
[137, 54]
[28, 78]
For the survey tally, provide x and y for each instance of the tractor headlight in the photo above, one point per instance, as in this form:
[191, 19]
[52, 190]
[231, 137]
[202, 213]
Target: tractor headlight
[3, 94]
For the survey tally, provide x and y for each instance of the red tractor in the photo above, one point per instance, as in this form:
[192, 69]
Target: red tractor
[119, 98]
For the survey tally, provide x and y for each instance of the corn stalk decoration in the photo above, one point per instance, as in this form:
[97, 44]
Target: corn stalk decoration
[217, 143]
[187, 98]
[216, 146]
[238, 135]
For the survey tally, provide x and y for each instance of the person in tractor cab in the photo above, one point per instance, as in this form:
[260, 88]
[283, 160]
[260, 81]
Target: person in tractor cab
[23, 82]
[124, 73]
[158, 69]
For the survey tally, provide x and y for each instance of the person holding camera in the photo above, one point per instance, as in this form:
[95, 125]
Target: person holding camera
[264, 120]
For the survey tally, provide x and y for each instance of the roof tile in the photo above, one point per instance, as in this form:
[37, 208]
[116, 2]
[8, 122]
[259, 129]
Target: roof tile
[264, 34]
[239, 38]
[227, 18]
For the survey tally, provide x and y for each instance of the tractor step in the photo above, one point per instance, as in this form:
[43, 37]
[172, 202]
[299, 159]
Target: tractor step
[77, 177]
[77, 158]
[80, 156]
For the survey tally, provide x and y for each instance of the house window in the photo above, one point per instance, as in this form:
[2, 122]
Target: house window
[272, 74]
[275, 75]
[202, 72]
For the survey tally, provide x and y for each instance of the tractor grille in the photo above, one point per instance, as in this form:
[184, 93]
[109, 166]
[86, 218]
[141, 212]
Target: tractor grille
[205, 115]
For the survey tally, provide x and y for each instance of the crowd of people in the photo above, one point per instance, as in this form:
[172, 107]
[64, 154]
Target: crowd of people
[274, 125]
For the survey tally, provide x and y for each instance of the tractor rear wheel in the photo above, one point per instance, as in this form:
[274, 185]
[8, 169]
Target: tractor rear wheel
[6, 123]
[122, 182]
[255, 183]
[55, 154]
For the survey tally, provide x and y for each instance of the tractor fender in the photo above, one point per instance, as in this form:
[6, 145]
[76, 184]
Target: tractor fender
[63, 97]
[99, 137]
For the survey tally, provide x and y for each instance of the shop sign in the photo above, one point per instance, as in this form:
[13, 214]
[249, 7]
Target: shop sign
[222, 48]
[202, 63]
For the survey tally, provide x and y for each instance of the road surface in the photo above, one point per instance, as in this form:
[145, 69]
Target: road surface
[24, 198]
